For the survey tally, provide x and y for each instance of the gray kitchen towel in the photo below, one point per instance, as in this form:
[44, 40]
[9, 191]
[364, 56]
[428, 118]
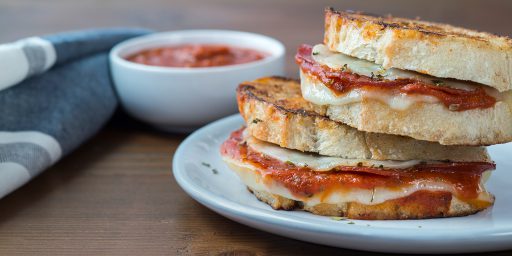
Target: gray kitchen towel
[55, 93]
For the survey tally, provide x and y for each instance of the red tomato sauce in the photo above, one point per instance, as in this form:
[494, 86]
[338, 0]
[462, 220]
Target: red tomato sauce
[341, 82]
[305, 182]
[196, 56]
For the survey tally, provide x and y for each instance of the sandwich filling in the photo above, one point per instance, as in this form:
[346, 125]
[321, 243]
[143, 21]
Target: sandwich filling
[315, 179]
[347, 79]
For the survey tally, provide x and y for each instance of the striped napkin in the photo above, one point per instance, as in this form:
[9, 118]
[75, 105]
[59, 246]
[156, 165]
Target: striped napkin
[55, 93]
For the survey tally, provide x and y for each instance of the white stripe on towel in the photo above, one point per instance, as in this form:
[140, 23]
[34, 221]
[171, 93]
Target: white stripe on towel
[14, 62]
[50, 144]
[12, 176]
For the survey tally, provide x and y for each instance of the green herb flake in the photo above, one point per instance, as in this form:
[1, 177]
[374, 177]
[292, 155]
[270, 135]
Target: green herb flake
[345, 67]
[336, 218]
[206, 164]
[437, 82]
[351, 222]
[316, 53]
[215, 171]
[256, 120]
[289, 162]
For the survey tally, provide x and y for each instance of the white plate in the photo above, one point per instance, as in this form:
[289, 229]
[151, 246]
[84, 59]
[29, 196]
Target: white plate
[224, 193]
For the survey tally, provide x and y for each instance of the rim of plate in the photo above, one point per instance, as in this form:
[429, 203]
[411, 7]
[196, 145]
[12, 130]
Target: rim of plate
[272, 217]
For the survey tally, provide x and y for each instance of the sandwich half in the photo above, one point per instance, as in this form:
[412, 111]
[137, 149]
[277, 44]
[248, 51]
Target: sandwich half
[292, 156]
[288, 179]
[424, 80]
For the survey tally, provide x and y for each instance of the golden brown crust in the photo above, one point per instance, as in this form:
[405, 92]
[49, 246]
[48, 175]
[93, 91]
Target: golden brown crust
[275, 111]
[426, 28]
[432, 48]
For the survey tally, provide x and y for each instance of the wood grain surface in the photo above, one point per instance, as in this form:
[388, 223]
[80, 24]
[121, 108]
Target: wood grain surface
[116, 195]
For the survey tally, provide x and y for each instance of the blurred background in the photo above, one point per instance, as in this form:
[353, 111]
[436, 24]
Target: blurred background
[292, 22]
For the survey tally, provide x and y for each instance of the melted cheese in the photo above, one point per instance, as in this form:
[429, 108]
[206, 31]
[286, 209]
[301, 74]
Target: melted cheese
[318, 162]
[319, 94]
[335, 60]
[256, 180]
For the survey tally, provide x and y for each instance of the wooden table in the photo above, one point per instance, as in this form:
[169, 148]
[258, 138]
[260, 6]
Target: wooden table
[116, 194]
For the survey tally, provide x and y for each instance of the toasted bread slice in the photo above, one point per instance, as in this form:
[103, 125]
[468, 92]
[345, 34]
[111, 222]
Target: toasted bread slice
[431, 48]
[276, 112]
[423, 120]
[418, 205]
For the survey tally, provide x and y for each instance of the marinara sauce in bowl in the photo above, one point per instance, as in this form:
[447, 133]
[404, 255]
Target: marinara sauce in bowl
[197, 56]
[179, 81]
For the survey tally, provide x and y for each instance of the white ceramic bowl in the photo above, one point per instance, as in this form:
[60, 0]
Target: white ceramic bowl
[183, 99]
